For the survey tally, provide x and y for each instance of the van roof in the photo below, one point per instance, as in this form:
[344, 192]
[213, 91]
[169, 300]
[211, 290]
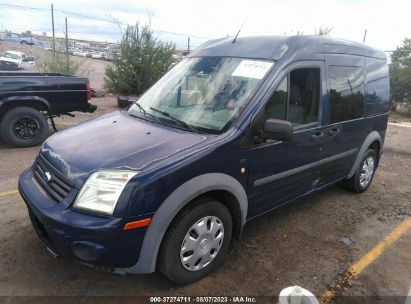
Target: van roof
[275, 47]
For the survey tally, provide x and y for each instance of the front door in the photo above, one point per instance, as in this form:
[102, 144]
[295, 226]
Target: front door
[280, 171]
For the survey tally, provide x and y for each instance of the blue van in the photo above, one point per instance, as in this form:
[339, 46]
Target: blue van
[239, 128]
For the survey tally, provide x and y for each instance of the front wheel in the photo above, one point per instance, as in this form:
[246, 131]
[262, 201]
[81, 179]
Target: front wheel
[364, 174]
[196, 242]
[23, 127]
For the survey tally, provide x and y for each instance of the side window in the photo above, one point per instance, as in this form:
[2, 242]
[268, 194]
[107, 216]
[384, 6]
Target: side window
[300, 106]
[296, 99]
[346, 93]
[377, 93]
[277, 104]
[304, 96]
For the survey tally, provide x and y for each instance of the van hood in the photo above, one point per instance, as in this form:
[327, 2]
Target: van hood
[114, 141]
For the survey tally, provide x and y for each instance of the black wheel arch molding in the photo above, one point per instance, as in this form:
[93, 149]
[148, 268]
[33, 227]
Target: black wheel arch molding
[174, 203]
[370, 140]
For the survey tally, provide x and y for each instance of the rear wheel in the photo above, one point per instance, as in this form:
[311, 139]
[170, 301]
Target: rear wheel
[23, 127]
[362, 178]
[196, 242]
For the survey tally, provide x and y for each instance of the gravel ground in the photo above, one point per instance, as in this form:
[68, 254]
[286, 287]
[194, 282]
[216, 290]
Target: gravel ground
[300, 244]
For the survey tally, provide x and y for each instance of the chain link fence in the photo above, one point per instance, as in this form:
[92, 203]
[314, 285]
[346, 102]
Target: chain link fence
[400, 83]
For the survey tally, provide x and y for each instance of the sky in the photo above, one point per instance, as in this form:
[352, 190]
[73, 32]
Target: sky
[387, 22]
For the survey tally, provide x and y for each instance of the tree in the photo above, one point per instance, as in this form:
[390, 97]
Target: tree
[323, 31]
[400, 75]
[142, 59]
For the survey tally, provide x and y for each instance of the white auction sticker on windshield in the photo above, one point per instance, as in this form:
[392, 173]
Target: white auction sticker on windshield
[252, 69]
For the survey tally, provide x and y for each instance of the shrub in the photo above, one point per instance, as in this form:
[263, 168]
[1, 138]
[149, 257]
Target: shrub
[59, 63]
[141, 60]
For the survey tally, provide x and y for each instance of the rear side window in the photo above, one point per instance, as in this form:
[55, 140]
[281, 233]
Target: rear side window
[346, 93]
[377, 87]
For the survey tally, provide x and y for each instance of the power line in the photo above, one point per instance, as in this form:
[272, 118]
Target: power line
[95, 18]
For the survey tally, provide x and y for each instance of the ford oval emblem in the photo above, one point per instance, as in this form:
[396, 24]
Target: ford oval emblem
[48, 176]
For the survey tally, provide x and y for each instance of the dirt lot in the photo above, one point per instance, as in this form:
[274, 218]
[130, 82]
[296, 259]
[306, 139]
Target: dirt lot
[300, 244]
[297, 245]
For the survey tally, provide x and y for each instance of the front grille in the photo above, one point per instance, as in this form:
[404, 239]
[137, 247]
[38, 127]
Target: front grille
[55, 185]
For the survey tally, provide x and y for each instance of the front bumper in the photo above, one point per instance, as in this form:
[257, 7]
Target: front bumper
[66, 232]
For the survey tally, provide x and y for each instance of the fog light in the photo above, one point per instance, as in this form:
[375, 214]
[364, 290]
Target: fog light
[85, 251]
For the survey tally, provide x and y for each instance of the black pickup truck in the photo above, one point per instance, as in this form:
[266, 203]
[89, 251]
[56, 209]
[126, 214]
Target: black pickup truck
[27, 100]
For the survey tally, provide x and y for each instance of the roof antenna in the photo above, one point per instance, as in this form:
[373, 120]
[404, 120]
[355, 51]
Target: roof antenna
[241, 27]
[365, 36]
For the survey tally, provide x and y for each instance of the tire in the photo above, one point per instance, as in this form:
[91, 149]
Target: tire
[24, 42]
[205, 211]
[23, 127]
[362, 178]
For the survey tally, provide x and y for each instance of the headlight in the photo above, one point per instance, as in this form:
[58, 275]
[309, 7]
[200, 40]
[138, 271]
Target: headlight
[102, 189]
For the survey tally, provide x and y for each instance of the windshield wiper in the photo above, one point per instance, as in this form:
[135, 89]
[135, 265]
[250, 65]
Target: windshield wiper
[181, 122]
[143, 111]
[140, 107]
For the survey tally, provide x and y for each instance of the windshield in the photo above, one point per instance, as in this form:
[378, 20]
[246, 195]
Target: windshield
[204, 92]
[12, 56]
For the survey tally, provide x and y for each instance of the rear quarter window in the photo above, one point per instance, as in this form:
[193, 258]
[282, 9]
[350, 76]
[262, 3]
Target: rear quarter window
[377, 87]
[346, 93]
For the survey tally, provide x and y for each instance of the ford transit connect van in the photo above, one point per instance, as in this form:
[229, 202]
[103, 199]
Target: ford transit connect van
[237, 129]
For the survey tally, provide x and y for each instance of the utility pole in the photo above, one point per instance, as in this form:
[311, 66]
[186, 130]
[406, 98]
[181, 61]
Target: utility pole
[188, 44]
[67, 47]
[52, 26]
[365, 36]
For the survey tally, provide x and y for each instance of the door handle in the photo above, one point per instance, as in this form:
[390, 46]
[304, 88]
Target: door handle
[334, 131]
[317, 136]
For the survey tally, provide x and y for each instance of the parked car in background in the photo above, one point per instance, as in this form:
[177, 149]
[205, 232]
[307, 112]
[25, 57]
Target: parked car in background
[28, 99]
[20, 39]
[99, 55]
[11, 37]
[239, 128]
[13, 60]
[78, 52]
[29, 40]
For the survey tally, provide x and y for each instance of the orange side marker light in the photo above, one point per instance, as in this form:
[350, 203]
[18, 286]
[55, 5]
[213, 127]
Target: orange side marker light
[137, 224]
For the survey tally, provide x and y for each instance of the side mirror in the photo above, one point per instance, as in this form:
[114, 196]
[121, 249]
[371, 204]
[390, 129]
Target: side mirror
[277, 129]
[123, 102]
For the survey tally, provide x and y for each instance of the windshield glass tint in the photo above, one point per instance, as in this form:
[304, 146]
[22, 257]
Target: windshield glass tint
[205, 92]
[12, 56]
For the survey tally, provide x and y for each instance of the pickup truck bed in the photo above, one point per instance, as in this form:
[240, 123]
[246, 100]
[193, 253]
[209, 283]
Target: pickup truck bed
[28, 99]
